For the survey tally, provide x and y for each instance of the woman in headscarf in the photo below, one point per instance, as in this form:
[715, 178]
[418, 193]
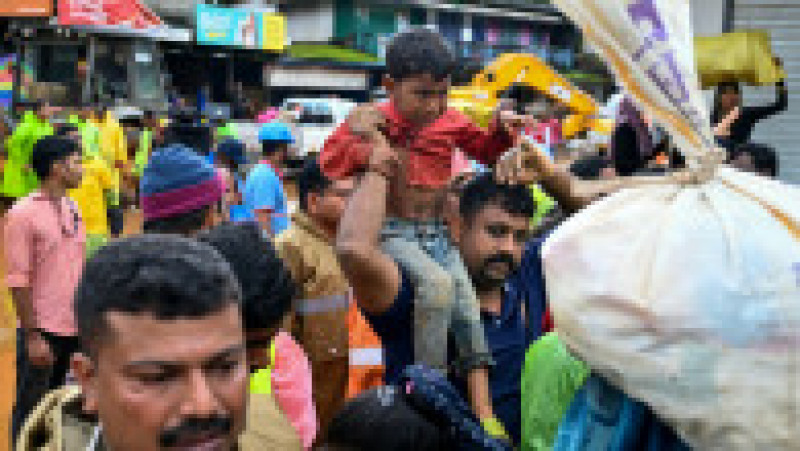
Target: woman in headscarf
[631, 143]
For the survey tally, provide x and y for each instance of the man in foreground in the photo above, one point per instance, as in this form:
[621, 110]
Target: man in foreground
[164, 361]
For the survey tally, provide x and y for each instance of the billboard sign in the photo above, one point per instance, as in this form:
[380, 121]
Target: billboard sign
[248, 28]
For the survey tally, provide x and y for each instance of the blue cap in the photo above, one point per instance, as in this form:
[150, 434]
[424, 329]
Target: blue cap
[276, 132]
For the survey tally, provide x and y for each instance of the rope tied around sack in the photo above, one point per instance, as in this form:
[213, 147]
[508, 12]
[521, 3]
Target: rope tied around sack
[704, 171]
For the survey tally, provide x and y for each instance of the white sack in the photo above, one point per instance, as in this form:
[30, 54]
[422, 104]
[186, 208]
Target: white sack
[685, 296]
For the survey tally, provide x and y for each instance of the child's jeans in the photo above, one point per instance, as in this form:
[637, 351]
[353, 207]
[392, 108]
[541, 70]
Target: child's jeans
[444, 295]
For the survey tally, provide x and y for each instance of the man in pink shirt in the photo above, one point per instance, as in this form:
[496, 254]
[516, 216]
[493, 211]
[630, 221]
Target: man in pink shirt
[45, 246]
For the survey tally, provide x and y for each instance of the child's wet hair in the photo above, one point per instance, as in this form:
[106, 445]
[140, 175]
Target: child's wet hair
[419, 52]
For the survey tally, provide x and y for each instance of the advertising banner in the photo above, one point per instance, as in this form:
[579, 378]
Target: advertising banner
[240, 27]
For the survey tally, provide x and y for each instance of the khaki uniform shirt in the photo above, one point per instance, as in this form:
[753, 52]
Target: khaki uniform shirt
[320, 313]
[58, 424]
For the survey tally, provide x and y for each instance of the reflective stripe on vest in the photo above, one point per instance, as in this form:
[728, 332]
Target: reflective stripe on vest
[321, 305]
[261, 380]
[366, 357]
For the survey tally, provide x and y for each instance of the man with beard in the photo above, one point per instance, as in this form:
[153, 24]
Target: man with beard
[492, 234]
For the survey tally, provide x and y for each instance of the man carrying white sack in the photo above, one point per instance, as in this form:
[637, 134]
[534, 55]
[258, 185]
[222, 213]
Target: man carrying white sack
[663, 289]
[601, 416]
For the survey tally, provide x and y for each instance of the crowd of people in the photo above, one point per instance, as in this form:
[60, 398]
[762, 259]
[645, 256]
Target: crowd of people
[392, 309]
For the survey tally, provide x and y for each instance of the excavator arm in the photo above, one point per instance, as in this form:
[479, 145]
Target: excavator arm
[480, 98]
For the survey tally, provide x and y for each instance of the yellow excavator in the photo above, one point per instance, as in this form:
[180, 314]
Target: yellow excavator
[480, 98]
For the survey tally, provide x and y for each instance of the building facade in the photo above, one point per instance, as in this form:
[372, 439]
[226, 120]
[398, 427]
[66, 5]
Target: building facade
[479, 31]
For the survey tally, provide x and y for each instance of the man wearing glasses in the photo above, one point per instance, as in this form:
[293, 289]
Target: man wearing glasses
[320, 314]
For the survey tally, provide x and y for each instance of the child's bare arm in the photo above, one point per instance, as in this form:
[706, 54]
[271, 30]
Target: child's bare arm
[487, 146]
[348, 149]
[366, 121]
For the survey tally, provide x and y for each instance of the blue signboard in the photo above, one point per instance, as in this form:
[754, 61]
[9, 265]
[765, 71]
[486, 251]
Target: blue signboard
[240, 27]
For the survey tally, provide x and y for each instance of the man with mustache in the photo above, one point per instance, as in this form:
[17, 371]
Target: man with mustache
[164, 359]
[492, 235]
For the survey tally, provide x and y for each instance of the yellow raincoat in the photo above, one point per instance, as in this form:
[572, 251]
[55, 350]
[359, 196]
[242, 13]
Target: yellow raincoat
[115, 153]
[97, 180]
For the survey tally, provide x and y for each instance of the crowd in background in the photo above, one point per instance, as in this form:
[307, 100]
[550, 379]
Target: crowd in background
[170, 293]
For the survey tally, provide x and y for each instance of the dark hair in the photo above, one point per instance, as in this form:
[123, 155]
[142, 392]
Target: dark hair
[181, 224]
[726, 85]
[484, 191]
[270, 147]
[167, 276]
[49, 151]
[311, 180]
[267, 286]
[716, 114]
[233, 152]
[589, 167]
[419, 52]
[382, 418]
[764, 157]
[194, 137]
[29, 105]
[625, 155]
[66, 129]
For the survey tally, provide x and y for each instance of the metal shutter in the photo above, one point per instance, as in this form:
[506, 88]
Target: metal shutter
[782, 19]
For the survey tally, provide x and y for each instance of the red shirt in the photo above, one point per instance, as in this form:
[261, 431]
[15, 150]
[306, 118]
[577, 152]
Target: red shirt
[430, 148]
[548, 132]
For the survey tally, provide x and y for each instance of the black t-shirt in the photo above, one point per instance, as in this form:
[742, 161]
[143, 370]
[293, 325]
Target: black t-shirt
[742, 128]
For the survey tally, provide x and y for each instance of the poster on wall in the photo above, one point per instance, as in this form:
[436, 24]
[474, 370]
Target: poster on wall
[26, 8]
[240, 27]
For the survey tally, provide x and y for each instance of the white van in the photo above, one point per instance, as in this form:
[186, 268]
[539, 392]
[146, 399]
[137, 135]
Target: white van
[316, 119]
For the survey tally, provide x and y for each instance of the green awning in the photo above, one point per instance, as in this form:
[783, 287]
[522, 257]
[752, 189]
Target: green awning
[329, 52]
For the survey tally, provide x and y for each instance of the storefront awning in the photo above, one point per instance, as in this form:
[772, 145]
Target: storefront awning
[163, 33]
[332, 53]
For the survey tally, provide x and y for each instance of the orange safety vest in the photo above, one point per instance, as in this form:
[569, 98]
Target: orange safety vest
[366, 354]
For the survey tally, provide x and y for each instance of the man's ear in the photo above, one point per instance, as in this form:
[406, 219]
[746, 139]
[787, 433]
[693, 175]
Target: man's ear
[84, 370]
[456, 227]
[311, 202]
[214, 216]
[58, 169]
[388, 84]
